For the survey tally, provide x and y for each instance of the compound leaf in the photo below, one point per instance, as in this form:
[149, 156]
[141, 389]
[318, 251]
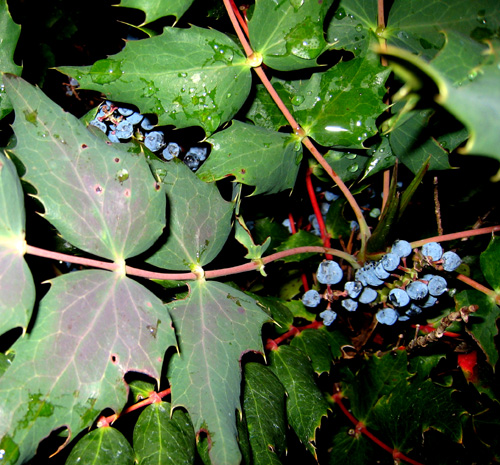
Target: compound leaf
[156, 9]
[216, 324]
[101, 198]
[92, 328]
[198, 77]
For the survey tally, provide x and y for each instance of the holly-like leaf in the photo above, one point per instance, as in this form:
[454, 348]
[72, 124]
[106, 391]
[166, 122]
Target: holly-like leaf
[198, 77]
[348, 166]
[105, 446]
[264, 404]
[305, 404]
[216, 324]
[92, 328]
[490, 263]
[259, 157]
[162, 439]
[289, 34]
[199, 220]
[482, 325]
[156, 9]
[101, 198]
[300, 239]
[9, 32]
[314, 344]
[352, 449]
[417, 26]
[339, 107]
[264, 112]
[16, 282]
[244, 237]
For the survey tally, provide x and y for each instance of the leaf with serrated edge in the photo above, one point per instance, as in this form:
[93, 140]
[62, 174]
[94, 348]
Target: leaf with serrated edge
[490, 263]
[199, 219]
[482, 325]
[288, 34]
[9, 32]
[16, 282]
[198, 77]
[314, 344]
[305, 404]
[264, 404]
[103, 446]
[101, 198]
[156, 9]
[255, 156]
[163, 440]
[215, 325]
[93, 332]
[264, 112]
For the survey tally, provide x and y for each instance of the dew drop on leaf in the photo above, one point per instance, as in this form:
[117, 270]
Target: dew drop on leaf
[105, 71]
[122, 175]
[297, 100]
[353, 168]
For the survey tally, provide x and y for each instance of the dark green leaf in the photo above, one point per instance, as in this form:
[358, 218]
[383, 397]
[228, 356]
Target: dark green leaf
[195, 238]
[198, 77]
[103, 446]
[264, 404]
[141, 389]
[215, 324]
[101, 198]
[264, 112]
[289, 34]
[300, 239]
[278, 310]
[490, 263]
[305, 404]
[255, 156]
[314, 344]
[349, 448]
[162, 439]
[347, 165]
[155, 9]
[265, 228]
[336, 225]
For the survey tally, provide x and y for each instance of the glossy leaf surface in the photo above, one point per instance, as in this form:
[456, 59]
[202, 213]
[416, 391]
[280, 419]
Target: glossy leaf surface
[155, 9]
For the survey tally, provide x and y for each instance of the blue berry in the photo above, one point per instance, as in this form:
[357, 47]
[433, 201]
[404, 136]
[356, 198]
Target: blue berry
[146, 125]
[451, 261]
[124, 129]
[414, 310]
[191, 162]
[112, 137]
[390, 261]
[135, 118]
[387, 316]
[171, 151]
[380, 271]
[200, 153]
[99, 124]
[329, 272]
[154, 141]
[401, 248]
[368, 295]
[371, 277]
[432, 250]
[328, 317]
[353, 288]
[399, 297]
[360, 276]
[437, 285]
[428, 302]
[350, 305]
[125, 111]
[311, 298]
[417, 290]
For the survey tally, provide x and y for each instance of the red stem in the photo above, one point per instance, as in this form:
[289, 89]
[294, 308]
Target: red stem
[272, 344]
[458, 235]
[240, 19]
[303, 276]
[474, 284]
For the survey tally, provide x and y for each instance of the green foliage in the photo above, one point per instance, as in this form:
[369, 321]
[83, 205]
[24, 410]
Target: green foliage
[116, 258]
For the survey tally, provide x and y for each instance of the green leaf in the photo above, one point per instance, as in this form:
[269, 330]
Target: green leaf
[266, 227]
[347, 165]
[490, 263]
[103, 446]
[101, 198]
[300, 239]
[264, 112]
[305, 404]
[264, 405]
[93, 327]
[9, 32]
[339, 107]
[195, 238]
[278, 309]
[16, 282]
[288, 34]
[244, 237]
[353, 26]
[255, 156]
[482, 324]
[163, 439]
[141, 390]
[353, 449]
[215, 325]
[417, 26]
[314, 344]
[156, 9]
[336, 225]
[198, 77]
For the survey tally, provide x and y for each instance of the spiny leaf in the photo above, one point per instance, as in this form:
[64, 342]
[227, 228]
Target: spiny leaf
[216, 325]
[92, 328]
[101, 198]
[199, 218]
[16, 282]
[264, 404]
[289, 34]
[156, 9]
[314, 344]
[163, 440]
[9, 32]
[255, 156]
[490, 263]
[198, 77]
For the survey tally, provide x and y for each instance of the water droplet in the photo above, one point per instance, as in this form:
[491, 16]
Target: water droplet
[358, 123]
[105, 71]
[296, 4]
[351, 156]
[297, 100]
[340, 14]
[481, 17]
[380, 32]
[228, 95]
[403, 35]
[122, 175]
[358, 28]
[472, 75]
[353, 168]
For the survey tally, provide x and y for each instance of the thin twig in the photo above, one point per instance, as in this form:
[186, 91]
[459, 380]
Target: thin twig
[437, 207]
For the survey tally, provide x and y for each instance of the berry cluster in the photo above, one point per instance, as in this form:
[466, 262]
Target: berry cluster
[401, 290]
[121, 124]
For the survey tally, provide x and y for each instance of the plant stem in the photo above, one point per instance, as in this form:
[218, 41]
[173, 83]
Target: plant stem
[479, 287]
[458, 235]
